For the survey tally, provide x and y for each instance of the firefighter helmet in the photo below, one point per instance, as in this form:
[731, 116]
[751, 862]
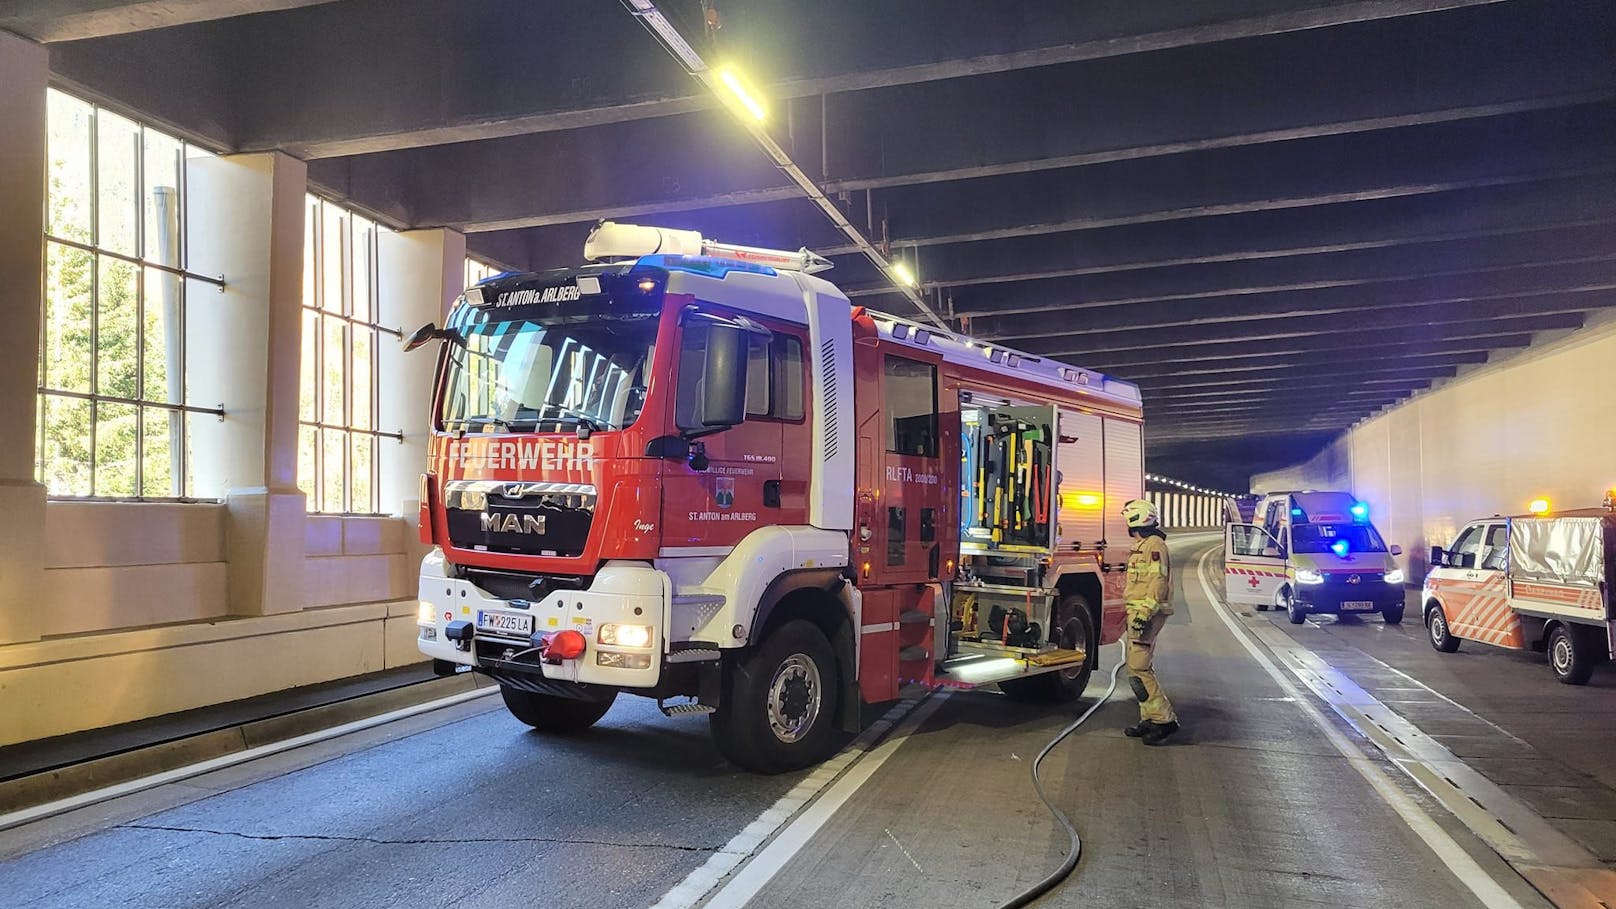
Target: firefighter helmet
[1140, 513]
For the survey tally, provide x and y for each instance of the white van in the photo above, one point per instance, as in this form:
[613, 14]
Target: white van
[1312, 552]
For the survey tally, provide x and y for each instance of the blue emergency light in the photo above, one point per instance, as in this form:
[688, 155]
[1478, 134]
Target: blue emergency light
[1340, 548]
[1360, 511]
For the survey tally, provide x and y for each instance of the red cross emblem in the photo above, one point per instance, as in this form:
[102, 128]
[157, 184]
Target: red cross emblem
[1253, 582]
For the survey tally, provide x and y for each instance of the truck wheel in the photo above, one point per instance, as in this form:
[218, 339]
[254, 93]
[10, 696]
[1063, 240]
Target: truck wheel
[1436, 627]
[550, 713]
[1076, 630]
[1393, 615]
[779, 704]
[1295, 611]
[1570, 655]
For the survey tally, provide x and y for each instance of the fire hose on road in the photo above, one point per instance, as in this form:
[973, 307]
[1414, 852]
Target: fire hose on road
[1074, 849]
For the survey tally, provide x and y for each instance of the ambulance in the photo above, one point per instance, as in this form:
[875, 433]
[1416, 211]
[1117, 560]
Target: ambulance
[1538, 581]
[695, 472]
[1312, 552]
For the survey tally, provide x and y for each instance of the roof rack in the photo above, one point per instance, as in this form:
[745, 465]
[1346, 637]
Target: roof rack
[611, 241]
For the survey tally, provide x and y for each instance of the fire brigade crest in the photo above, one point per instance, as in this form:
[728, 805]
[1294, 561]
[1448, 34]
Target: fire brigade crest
[723, 491]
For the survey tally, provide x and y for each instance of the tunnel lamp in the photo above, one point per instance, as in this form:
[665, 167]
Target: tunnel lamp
[902, 274]
[1538, 506]
[741, 94]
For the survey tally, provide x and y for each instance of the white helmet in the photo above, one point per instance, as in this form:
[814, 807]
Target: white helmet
[1140, 513]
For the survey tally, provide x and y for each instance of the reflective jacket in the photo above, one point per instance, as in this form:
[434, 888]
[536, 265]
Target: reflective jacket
[1150, 580]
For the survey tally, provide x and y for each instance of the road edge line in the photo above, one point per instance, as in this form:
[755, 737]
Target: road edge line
[1459, 863]
[764, 846]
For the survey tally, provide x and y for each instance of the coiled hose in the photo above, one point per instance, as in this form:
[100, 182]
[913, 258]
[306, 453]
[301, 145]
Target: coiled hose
[1075, 849]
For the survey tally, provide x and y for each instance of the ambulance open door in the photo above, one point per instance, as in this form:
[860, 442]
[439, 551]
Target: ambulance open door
[1253, 565]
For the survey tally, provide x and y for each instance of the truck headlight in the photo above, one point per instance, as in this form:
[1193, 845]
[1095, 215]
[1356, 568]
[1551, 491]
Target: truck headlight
[625, 635]
[1395, 576]
[1309, 576]
[427, 614]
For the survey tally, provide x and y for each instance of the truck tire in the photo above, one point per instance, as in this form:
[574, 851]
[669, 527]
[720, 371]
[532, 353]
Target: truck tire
[1076, 628]
[551, 713]
[1393, 615]
[1571, 655]
[1436, 627]
[779, 702]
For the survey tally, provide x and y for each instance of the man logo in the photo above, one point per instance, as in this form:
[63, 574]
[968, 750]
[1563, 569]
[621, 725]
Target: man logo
[512, 523]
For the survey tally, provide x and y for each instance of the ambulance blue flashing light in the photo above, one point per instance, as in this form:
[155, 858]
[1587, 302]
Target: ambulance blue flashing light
[1360, 511]
[1340, 548]
[1296, 512]
[703, 265]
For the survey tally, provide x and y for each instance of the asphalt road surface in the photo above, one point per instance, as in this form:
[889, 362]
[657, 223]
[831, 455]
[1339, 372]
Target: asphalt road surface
[1269, 797]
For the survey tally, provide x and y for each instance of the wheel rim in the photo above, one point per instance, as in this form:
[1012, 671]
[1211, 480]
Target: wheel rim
[1439, 628]
[794, 698]
[1562, 654]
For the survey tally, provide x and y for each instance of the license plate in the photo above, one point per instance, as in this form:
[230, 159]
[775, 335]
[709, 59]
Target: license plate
[1358, 605]
[511, 624]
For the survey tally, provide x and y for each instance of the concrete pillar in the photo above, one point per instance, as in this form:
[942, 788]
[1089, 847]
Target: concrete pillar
[245, 222]
[419, 274]
[24, 70]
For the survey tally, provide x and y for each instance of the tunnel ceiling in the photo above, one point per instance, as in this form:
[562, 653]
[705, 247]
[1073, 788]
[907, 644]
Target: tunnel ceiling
[1276, 217]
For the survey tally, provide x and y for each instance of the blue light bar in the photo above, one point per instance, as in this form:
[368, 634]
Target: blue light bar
[1360, 511]
[703, 265]
[1340, 548]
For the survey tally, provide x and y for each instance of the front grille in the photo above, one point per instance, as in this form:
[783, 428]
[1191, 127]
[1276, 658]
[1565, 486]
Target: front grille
[509, 586]
[521, 518]
[1338, 580]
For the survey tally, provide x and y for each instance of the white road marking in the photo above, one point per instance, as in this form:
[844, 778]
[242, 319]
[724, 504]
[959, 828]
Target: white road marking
[837, 778]
[50, 809]
[1465, 868]
[904, 851]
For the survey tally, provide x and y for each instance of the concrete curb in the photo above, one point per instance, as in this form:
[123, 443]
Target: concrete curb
[98, 773]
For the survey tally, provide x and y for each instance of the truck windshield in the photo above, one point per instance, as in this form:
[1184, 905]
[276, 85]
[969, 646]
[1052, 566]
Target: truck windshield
[555, 371]
[1319, 538]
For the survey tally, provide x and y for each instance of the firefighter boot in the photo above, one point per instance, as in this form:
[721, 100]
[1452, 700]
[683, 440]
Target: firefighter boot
[1158, 732]
[1138, 729]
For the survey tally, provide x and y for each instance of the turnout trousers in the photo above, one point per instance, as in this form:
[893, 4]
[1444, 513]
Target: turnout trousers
[1140, 647]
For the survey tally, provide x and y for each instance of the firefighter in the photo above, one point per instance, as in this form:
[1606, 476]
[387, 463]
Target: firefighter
[1148, 596]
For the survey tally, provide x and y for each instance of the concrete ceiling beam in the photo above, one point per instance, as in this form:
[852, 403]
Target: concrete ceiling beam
[1392, 322]
[75, 20]
[1524, 283]
[1356, 271]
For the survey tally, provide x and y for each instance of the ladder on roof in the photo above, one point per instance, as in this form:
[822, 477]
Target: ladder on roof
[611, 241]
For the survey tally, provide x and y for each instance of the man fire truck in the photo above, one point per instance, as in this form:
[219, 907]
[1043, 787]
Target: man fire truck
[696, 472]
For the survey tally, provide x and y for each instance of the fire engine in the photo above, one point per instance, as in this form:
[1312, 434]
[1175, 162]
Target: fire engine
[1537, 581]
[696, 472]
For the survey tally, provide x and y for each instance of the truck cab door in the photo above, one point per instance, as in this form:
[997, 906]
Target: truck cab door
[1253, 565]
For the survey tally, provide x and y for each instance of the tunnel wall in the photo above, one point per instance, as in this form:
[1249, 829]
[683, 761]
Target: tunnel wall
[1540, 424]
[119, 610]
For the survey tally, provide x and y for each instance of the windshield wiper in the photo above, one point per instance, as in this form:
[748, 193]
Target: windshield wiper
[579, 417]
[487, 419]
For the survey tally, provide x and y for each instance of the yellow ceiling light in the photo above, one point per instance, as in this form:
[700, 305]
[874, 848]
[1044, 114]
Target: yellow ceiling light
[902, 274]
[741, 94]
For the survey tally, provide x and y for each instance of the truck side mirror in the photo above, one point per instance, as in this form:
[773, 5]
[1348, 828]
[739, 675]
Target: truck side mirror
[723, 401]
[1439, 559]
[423, 336]
[1396, 550]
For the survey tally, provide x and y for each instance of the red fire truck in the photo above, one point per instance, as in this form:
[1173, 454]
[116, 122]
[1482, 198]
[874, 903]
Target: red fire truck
[698, 473]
